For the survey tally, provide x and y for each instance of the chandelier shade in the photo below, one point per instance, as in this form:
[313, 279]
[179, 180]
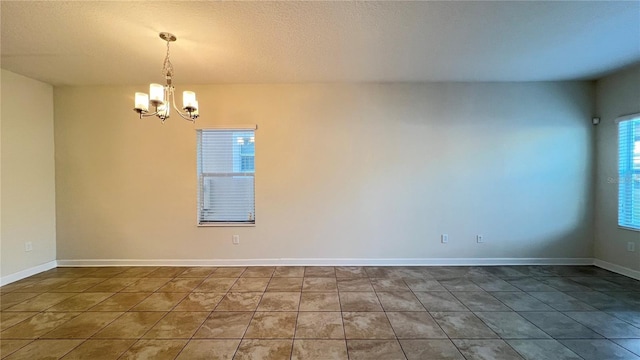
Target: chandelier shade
[162, 97]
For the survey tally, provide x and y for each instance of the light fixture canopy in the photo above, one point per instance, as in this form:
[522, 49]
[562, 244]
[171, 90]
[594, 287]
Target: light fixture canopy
[162, 97]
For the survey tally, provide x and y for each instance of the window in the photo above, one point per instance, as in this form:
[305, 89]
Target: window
[629, 172]
[226, 173]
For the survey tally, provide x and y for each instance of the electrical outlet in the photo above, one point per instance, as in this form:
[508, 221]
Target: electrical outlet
[235, 239]
[28, 246]
[444, 238]
[631, 246]
[479, 239]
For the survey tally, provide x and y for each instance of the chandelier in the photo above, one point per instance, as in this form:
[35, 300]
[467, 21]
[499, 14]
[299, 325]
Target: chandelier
[162, 97]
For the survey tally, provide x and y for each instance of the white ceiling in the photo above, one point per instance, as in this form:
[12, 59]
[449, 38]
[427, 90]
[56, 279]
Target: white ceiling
[96, 43]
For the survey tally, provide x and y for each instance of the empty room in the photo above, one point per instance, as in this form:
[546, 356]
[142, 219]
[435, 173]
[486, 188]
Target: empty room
[320, 180]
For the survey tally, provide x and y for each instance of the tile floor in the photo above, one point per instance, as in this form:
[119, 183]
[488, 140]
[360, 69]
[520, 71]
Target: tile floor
[388, 313]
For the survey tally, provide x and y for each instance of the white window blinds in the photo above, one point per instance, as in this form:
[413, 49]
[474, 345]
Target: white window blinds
[226, 173]
[629, 172]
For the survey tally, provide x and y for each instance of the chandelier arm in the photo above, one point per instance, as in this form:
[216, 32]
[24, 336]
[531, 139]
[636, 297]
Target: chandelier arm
[182, 115]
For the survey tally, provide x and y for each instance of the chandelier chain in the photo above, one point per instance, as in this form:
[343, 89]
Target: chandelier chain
[167, 67]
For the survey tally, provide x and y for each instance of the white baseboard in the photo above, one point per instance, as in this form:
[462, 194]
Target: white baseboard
[329, 262]
[8, 279]
[635, 274]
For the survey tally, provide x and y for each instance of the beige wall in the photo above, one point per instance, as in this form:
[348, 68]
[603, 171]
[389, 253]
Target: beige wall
[617, 95]
[342, 171]
[28, 189]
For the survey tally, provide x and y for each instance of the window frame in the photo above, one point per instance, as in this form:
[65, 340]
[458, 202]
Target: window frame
[620, 179]
[199, 199]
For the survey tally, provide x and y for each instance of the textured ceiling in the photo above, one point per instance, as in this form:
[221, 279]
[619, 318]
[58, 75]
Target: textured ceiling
[89, 42]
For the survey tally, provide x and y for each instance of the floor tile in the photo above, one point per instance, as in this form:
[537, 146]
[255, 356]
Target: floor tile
[227, 272]
[112, 285]
[440, 301]
[107, 272]
[259, 271]
[154, 349]
[463, 325]
[319, 325]
[399, 301]
[561, 301]
[543, 350]
[198, 272]
[459, 284]
[120, 302]
[531, 284]
[563, 284]
[40, 302]
[424, 285]
[37, 325]
[605, 324]
[320, 271]
[82, 326]
[272, 325]
[239, 302]
[486, 350]
[599, 300]
[350, 272]
[378, 272]
[146, 285]
[78, 285]
[280, 301]
[559, 326]
[367, 325]
[180, 285]
[166, 272]
[80, 302]
[311, 301]
[259, 349]
[319, 284]
[493, 284]
[99, 349]
[224, 325]
[389, 285]
[354, 284]
[480, 301]
[131, 325]
[632, 317]
[15, 298]
[289, 271]
[596, 283]
[430, 349]
[209, 350]
[7, 347]
[250, 284]
[205, 312]
[216, 285]
[44, 285]
[375, 350]
[510, 325]
[359, 301]
[521, 301]
[319, 350]
[285, 284]
[632, 345]
[415, 325]
[595, 349]
[177, 325]
[160, 302]
[505, 271]
[8, 319]
[44, 349]
[199, 302]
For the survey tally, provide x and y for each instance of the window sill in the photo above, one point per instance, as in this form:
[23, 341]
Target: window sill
[227, 225]
[628, 228]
